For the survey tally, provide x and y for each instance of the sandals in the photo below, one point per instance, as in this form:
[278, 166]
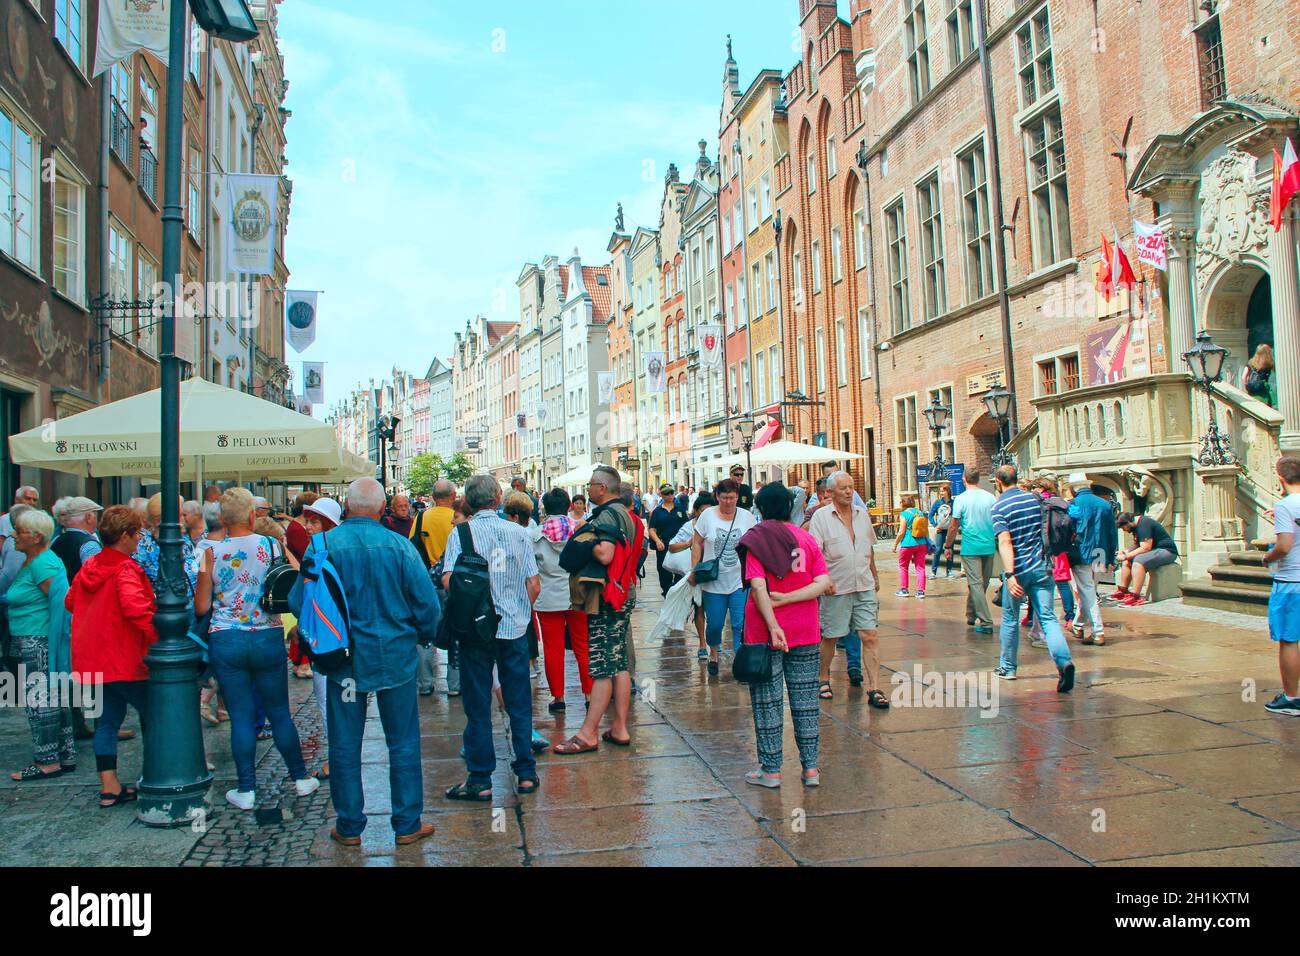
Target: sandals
[125, 795]
[878, 700]
[34, 772]
[608, 737]
[463, 791]
[573, 746]
[528, 785]
[824, 690]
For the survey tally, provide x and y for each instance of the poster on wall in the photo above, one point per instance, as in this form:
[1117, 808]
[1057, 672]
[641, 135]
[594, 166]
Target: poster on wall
[1118, 351]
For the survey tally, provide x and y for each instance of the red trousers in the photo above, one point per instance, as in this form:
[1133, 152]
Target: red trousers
[551, 626]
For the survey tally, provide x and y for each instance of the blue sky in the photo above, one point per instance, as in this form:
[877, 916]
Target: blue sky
[435, 147]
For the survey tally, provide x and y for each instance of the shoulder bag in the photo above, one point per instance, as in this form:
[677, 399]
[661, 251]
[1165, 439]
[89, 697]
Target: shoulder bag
[707, 571]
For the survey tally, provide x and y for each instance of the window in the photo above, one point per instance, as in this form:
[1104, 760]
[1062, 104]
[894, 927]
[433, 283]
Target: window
[1034, 59]
[730, 299]
[812, 69]
[752, 195]
[765, 187]
[859, 239]
[961, 31]
[774, 369]
[769, 267]
[149, 110]
[905, 443]
[796, 277]
[811, 168]
[67, 27]
[817, 265]
[756, 290]
[742, 304]
[896, 241]
[18, 191]
[70, 238]
[731, 380]
[946, 445]
[841, 354]
[837, 255]
[1209, 62]
[196, 49]
[932, 272]
[745, 393]
[1048, 196]
[917, 45]
[710, 257]
[821, 360]
[830, 157]
[976, 232]
[864, 345]
[801, 365]
[119, 272]
[726, 233]
[1058, 373]
[146, 279]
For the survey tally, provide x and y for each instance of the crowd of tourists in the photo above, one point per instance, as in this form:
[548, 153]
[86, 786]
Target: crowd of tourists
[506, 586]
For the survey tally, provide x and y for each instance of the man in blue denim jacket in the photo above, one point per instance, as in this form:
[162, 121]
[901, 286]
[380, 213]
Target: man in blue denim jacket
[1096, 540]
[392, 606]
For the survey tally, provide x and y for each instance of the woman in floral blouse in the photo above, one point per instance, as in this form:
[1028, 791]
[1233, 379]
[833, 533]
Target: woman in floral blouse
[246, 645]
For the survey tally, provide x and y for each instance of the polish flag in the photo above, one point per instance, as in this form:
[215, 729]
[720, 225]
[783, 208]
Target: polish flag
[1114, 271]
[1286, 183]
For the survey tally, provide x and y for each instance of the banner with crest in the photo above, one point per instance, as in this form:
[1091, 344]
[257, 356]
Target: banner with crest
[252, 210]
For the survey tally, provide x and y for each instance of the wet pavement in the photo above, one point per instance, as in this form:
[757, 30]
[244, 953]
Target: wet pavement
[1162, 755]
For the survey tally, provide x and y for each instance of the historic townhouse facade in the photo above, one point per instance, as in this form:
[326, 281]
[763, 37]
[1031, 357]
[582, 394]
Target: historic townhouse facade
[732, 252]
[529, 284]
[622, 364]
[650, 436]
[442, 408]
[677, 332]
[502, 385]
[585, 312]
[555, 279]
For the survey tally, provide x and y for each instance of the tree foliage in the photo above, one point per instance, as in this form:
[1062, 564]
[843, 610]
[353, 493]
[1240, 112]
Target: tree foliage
[428, 467]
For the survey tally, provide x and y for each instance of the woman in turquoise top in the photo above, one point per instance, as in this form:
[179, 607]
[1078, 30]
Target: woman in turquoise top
[39, 625]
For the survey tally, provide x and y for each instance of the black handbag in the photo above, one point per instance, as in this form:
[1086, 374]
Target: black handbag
[752, 663]
[707, 571]
[280, 578]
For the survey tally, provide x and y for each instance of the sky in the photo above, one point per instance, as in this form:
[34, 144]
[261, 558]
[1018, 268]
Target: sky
[435, 147]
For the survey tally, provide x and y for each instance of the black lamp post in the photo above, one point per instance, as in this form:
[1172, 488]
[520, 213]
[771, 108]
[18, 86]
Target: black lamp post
[937, 416]
[175, 778]
[386, 431]
[999, 402]
[745, 427]
[1205, 361]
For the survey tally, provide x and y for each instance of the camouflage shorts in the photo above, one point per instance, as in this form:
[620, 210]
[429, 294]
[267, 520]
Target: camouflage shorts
[607, 636]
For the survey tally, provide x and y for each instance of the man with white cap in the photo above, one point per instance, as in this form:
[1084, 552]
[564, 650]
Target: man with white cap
[78, 542]
[1096, 541]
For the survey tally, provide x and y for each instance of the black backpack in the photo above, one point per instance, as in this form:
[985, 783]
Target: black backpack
[1257, 382]
[1058, 526]
[280, 578]
[469, 616]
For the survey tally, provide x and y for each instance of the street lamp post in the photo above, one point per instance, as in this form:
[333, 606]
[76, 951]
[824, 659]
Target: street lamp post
[999, 403]
[175, 778]
[745, 427]
[1205, 361]
[937, 416]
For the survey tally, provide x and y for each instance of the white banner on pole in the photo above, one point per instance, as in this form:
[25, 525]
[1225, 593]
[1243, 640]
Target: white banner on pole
[313, 382]
[654, 372]
[300, 319]
[1150, 242]
[304, 406]
[604, 388]
[711, 346]
[251, 218]
[126, 26]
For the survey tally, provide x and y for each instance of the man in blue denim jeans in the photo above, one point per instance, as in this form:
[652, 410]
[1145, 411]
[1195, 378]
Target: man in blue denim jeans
[1018, 525]
[391, 607]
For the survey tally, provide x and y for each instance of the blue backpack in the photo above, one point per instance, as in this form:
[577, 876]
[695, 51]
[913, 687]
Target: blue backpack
[323, 624]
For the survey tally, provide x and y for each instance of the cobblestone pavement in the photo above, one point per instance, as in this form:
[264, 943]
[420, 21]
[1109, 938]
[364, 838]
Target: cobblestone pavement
[1162, 755]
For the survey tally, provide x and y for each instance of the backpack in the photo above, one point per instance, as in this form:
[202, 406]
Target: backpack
[1058, 526]
[623, 567]
[1257, 382]
[323, 627]
[920, 526]
[469, 615]
[280, 578]
[943, 517]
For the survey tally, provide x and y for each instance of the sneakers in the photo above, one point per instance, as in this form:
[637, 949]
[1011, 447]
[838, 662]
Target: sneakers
[1133, 600]
[307, 785]
[1066, 683]
[1097, 640]
[245, 799]
[920, 595]
[983, 628]
[703, 653]
[1037, 642]
[902, 592]
[540, 743]
[1004, 673]
[1282, 704]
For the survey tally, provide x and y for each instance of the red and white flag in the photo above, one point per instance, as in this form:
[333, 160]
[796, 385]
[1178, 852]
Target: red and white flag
[1114, 271]
[1286, 183]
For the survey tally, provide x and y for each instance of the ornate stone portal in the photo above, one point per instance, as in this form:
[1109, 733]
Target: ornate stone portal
[1233, 214]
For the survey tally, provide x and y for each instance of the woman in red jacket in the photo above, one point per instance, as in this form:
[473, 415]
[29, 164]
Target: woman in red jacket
[112, 605]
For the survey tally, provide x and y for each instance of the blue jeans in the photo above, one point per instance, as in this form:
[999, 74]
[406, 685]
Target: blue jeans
[511, 660]
[716, 609]
[399, 714]
[1067, 601]
[939, 538]
[852, 651]
[116, 695]
[250, 665]
[1039, 591]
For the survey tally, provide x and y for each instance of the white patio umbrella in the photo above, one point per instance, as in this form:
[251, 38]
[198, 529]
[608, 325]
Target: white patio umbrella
[224, 434]
[786, 454]
[582, 474]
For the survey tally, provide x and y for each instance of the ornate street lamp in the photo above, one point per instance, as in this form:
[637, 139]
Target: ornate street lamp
[1205, 361]
[999, 401]
[937, 416]
[745, 427]
[175, 778]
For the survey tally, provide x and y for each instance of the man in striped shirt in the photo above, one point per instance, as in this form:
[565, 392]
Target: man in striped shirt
[1018, 526]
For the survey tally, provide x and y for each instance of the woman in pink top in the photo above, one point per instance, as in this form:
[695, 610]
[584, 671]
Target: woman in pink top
[786, 572]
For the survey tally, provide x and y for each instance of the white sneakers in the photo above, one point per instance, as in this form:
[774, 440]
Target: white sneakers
[247, 799]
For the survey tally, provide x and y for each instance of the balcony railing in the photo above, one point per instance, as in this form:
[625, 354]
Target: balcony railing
[149, 173]
[120, 132]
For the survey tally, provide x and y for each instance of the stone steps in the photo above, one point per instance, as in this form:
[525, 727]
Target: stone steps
[1205, 593]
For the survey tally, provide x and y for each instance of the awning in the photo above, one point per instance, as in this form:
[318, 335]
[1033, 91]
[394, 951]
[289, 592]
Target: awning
[767, 433]
[786, 453]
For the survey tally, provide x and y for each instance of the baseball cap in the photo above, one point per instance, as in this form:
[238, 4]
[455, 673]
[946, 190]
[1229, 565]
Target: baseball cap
[326, 508]
[1077, 479]
[665, 487]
